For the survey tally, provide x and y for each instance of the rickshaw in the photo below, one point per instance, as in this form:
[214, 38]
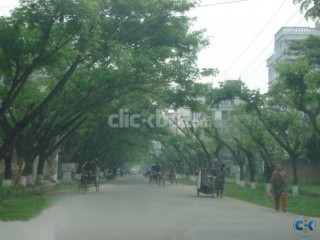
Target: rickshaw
[171, 177]
[87, 178]
[155, 178]
[205, 182]
[156, 174]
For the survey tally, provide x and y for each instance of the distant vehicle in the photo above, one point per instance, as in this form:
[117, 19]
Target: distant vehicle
[170, 175]
[205, 183]
[89, 176]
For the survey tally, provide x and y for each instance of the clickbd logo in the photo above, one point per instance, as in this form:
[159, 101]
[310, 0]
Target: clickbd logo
[304, 226]
[125, 119]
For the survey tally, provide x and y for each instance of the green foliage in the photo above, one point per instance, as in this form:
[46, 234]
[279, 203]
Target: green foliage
[298, 88]
[303, 204]
[16, 205]
[66, 66]
[23, 208]
[310, 7]
[6, 192]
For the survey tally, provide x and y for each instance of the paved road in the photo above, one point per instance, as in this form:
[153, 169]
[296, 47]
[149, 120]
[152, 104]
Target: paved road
[129, 209]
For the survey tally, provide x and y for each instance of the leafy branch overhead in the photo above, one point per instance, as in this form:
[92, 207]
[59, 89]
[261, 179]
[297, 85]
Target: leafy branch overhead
[64, 64]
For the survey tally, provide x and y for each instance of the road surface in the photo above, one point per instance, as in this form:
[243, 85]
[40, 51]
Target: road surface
[130, 209]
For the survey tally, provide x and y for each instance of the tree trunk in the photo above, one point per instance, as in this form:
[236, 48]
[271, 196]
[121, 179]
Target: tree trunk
[295, 188]
[252, 168]
[40, 169]
[191, 170]
[20, 170]
[53, 166]
[268, 169]
[7, 181]
[242, 174]
[27, 173]
[8, 166]
[206, 153]
[6, 150]
[294, 161]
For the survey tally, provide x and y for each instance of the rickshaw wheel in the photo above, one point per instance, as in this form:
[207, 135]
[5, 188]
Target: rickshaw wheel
[82, 186]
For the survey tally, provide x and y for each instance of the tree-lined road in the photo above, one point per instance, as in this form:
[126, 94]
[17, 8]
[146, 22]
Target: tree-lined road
[130, 209]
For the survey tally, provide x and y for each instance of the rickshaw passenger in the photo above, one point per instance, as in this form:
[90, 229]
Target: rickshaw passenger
[156, 168]
[89, 169]
[171, 171]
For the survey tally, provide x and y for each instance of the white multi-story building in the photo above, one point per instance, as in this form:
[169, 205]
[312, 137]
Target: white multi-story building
[221, 111]
[183, 117]
[282, 40]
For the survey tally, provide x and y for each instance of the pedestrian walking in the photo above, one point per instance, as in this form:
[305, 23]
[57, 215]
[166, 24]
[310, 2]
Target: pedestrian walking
[279, 187]
[219, 180]
[114, 173]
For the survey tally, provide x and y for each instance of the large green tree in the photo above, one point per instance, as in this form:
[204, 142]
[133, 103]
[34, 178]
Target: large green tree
[310, 7]
[58, 49]
[298, 87]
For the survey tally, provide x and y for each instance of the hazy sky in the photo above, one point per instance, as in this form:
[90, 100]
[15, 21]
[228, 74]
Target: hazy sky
[241, 35]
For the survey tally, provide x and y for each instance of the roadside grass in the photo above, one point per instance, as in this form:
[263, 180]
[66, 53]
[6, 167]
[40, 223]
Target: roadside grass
[309, 190]
[65, 186]
[307, 203]
[23, 208]
[256, 196]
[16, 204]
[8, 192]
